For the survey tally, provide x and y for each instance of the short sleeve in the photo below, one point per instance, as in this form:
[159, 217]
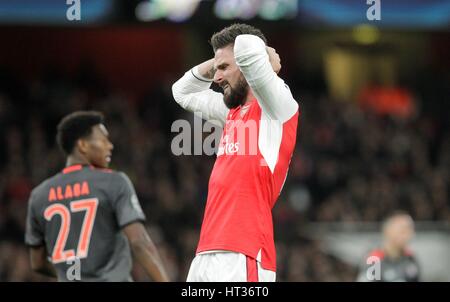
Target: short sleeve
[125, 202]
[34, 232]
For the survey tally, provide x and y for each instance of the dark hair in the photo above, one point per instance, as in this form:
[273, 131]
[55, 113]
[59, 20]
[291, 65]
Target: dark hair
[227, 35]
[75, 126]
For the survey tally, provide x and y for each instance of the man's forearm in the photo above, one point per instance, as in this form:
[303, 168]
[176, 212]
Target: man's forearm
[193, 92]
[147, 255]
[197, 79]
[253, 58]
[206, 69]
[47, 270]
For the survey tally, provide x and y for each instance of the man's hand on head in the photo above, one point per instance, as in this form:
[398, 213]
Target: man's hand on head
[274, 59]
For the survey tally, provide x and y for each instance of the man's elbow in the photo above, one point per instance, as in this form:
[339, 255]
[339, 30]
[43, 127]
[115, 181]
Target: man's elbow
[247, 48]
[178, 95]
[176, 92]
[247, 42]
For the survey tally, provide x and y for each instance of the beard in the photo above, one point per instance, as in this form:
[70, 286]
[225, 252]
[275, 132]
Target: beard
[236, 95]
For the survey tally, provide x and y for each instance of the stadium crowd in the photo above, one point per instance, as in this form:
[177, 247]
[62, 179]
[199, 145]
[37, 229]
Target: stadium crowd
[349, 165]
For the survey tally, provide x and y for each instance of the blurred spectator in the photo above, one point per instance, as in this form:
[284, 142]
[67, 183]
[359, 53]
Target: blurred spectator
[393, 261]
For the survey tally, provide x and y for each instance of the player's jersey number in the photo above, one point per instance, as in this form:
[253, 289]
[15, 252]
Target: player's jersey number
[90, 207]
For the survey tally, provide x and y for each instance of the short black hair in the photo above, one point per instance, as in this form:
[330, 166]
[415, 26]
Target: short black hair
[227, 35]
[75, 126]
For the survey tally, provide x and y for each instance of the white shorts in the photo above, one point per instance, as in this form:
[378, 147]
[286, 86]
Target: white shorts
[224, 266]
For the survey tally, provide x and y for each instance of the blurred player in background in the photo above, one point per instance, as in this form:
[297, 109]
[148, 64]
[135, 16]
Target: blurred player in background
[236, 239]
[396, 262]
[88, 212]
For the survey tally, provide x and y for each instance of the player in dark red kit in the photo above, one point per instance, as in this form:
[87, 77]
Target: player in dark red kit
[88, 213]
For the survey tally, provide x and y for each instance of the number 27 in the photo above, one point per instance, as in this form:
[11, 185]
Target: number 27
[88, 205]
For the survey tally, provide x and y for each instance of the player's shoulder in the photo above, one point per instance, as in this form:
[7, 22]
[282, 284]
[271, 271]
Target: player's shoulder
[378, 253]
[408, 253]
[44, 186]
[114, 176]
[104, 171]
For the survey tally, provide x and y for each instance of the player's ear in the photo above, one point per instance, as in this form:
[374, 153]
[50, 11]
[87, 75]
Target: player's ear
[82, 145]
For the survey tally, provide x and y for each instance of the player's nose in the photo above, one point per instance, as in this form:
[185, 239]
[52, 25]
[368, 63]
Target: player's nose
[218, 77]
